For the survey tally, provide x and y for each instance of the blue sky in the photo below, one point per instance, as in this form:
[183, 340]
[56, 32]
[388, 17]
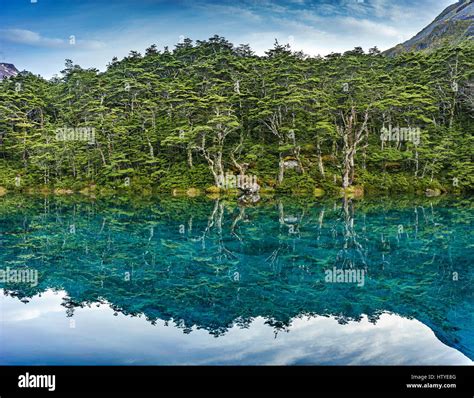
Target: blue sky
[38, 35]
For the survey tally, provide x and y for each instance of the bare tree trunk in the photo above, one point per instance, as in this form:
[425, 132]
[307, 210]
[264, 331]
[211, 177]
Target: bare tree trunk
[346, 170]
[281, 169]
[102, 156]
[242, 167]
[417, 162]
[296, 153]
[454, 75]
[214, 162]
[152, 154]
[190, 158]
[352, 135]
[352, 167]
[320, 160]
[218, 163]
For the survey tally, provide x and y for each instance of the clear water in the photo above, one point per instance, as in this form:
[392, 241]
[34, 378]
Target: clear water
[200, 281]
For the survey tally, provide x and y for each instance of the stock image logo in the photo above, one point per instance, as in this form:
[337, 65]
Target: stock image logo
[24, 275]
[335, 275]
[231, 181]
[404, 134]
[70, 134]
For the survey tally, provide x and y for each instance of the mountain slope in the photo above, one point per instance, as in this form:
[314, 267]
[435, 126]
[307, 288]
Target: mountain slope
[7, 70]
[453, 25]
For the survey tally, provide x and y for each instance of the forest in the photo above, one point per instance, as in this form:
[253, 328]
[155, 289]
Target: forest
[183, 120]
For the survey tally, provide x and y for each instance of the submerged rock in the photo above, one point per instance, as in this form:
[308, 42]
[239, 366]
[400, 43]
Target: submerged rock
[249, 199]
[249, 193]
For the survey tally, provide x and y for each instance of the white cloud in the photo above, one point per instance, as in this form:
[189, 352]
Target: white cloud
[28, 37]
[23, 36]
[40, 332]
[365, 26]
[316, 29]
[230, 10]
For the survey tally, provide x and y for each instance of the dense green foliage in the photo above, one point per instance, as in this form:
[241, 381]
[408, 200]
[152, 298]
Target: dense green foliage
[183, 118]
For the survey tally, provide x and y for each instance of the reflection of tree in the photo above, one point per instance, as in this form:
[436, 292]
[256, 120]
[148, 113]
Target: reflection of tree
[291, 222]
[278, 326]
[352, 252]
[240, 217]
[291, 225]
[216, 220]
[215, 276]
[210, 223]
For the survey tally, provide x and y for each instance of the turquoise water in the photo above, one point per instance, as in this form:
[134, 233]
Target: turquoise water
[200, 273]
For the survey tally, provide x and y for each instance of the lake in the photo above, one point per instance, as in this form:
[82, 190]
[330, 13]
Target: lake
[168, 280]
